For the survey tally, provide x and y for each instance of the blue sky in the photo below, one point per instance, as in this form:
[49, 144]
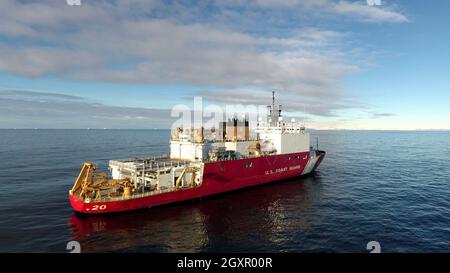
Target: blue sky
[124, 64]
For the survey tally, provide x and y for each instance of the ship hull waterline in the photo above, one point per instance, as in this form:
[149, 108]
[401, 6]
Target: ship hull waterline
[218, 177]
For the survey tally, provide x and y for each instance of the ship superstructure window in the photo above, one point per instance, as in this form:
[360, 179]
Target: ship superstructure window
[248, 165]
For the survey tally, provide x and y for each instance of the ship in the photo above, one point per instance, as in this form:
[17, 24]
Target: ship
[229, 158]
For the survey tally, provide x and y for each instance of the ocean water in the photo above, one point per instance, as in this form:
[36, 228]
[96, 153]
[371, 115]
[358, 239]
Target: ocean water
[384, 186]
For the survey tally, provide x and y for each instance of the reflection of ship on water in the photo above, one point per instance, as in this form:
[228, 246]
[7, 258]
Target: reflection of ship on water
[267, 214]
[165, 229]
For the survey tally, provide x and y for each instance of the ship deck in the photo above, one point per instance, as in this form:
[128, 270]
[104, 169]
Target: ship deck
[147, 164]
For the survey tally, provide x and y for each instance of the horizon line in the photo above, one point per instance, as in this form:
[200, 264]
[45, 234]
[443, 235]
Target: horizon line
[164, 129]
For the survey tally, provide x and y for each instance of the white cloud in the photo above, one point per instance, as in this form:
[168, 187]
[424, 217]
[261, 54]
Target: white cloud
[367, 13]
[358, 10]
[160, 43]
[382, 115]
[34, 109]
[293, 103]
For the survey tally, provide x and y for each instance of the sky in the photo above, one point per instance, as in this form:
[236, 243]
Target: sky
[362, 64]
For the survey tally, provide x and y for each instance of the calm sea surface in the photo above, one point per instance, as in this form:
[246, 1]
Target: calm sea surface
[390, 187]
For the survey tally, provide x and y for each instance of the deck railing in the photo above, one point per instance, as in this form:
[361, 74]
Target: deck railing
[135, 196]
[135, 166]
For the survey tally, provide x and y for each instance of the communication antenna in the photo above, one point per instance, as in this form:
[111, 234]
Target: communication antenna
[273, 99]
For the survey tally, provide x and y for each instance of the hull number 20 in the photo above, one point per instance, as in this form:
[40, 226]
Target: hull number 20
[98, 207]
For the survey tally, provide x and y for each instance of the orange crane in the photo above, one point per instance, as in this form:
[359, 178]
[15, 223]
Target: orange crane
[89, 183]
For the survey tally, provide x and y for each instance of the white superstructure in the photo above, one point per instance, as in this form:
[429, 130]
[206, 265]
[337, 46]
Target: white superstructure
[274, 137]
[284, 139]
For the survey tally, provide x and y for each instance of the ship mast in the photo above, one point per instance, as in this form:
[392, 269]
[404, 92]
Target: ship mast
[274, 112]
[273, 99]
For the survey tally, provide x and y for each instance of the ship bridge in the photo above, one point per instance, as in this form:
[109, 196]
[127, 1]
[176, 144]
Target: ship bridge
[284, 137]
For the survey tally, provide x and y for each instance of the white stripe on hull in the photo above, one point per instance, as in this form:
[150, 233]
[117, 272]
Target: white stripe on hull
[310, 165]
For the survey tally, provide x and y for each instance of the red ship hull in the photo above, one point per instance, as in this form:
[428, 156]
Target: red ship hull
[218, 177]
